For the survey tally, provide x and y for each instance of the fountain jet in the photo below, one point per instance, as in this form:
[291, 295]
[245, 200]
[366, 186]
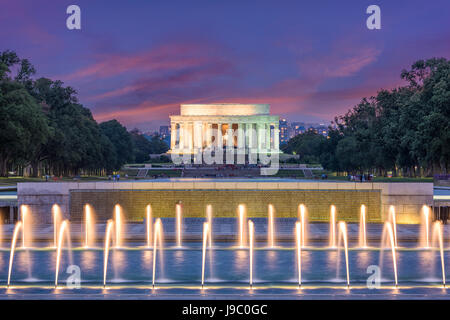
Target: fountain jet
[390, 232]
[25, 218]
[89, 226]
[205, 236]
[108, 235]
[56, 220]
[242, 218]
[343, 233]
[271, 226]
[19, 225]
[64, 228]
[393, 222]
[298, 238]
[332, 226]
[209, 218]
[179, 212]
[426, 226]
[362, 228]
[251, 233]
[437, 233]
[302, 218]
[157, 237]
[118, 225]
[149, 224]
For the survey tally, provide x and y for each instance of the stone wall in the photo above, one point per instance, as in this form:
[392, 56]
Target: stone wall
[225, 195]
[225, 203]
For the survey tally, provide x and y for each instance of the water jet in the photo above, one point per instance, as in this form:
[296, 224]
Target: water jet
[332, 226]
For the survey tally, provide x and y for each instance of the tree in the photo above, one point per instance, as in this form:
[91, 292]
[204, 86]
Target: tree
[23, 125]
[158, 145]
[405, 130]
[142, 146]
[307, 145]
[121, 141]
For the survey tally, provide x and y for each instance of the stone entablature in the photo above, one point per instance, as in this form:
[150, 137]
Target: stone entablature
[224, 109]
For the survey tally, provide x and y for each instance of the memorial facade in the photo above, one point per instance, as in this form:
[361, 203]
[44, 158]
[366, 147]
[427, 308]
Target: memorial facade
[243, 127]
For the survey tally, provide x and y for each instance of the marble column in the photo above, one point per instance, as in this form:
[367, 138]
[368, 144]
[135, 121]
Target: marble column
[276, 137]
[181, 136]
[219, 137]
[260, 135]
[204, 135]
[209, 132]
[230, 138]
[191, 136]
[173, 135]
[267, 136]
[198, 136]
[241, 136]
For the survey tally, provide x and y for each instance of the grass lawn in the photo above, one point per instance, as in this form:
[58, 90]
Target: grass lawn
[290, 174]
[12, 181]
[384, 179]
[168, 173]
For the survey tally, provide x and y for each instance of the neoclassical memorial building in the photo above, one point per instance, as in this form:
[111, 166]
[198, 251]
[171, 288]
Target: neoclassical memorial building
[240, 126]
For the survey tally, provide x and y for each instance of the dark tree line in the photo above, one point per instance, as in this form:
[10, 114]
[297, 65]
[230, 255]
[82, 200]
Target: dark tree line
[405, 130]
[43, 126]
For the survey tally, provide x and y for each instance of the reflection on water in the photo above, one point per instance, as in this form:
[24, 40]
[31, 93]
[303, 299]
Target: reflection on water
[132, 268]
[24, 263]
[363, 258]
[147, 259]
[241, 260]
[332, 260]
[119, 263]
[88, 260]
[271, 259]
[427, 263]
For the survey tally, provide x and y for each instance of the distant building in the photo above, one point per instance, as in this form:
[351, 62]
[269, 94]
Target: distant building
[284, 131]
[164, 132]
[322, 129]
[297, 128]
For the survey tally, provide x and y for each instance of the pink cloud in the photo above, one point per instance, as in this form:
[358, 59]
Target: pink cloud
[338, 64]
[171, 78]
[171, 56]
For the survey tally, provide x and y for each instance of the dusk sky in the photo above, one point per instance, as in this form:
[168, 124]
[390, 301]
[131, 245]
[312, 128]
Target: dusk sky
[137, 61]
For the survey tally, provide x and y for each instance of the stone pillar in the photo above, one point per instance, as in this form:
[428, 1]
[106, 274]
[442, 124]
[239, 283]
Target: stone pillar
[186, 137]
[267, 137]
[173, 135]
[241, 136]
[260, 135]
[181, 136]
[209, 131]
[198, 136]
[249, 136]
[230, 138]
[204, 135]
[219, 143]
[276, 137]
[191, 136]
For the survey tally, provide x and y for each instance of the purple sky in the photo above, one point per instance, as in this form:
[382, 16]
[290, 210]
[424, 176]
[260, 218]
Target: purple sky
[137, 61]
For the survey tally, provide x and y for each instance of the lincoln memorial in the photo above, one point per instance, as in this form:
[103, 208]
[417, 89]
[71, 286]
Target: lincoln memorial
[244, 127]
